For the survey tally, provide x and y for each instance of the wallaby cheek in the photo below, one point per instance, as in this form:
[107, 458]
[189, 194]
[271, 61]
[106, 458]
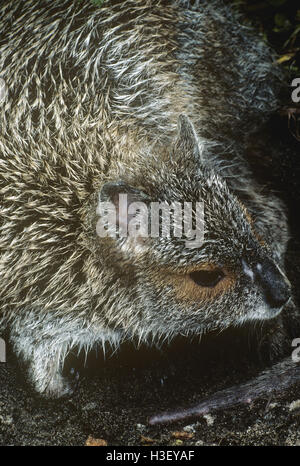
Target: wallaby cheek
[187, 293]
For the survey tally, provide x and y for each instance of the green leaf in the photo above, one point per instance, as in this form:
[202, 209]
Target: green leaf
[281, 23]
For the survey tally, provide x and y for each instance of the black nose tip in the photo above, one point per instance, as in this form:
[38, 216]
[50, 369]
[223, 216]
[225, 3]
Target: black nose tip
[277, 298]
[273, 283]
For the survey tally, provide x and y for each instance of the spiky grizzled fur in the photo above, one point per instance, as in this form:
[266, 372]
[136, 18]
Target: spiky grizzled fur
[92, 107]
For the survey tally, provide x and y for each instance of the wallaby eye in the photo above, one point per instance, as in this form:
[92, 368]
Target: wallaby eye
[207, 278]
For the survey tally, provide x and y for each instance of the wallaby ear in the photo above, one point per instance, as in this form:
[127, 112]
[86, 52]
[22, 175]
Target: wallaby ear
[186, 146]
[111, 191]
[123, 211]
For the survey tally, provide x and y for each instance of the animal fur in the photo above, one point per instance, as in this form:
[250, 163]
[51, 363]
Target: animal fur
[94, 98]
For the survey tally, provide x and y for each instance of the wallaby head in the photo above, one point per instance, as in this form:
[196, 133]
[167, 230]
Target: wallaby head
[187, 245]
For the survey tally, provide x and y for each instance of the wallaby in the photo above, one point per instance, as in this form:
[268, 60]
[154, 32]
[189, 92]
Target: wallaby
[152, 103]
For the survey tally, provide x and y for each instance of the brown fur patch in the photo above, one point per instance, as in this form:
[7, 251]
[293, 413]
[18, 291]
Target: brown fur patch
[187, 290]
[252, 225]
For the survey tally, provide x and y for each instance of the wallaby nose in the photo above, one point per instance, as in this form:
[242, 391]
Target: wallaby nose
[273, 283]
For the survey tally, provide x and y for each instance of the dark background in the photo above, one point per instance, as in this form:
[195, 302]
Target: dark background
[279, 22]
